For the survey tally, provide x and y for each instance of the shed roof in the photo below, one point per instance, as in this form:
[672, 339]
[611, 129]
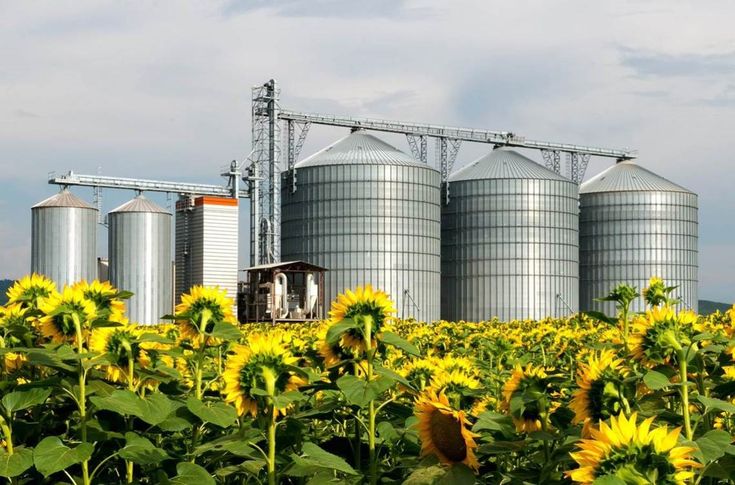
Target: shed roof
[290, 265]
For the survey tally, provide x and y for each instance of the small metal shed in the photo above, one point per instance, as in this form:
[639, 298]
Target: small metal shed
[291, 291]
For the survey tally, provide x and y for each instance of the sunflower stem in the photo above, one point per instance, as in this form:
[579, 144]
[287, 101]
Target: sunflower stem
[129, 465]
[684, 390]
[7, 429]
[272, 445]
[82, 394]
[373, 463]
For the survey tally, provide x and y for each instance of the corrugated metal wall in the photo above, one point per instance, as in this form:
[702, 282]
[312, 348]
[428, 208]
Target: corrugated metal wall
[208, 232]
[629, 236]
[140, 260]
[509, 245]
[64, 240]
[375, 224]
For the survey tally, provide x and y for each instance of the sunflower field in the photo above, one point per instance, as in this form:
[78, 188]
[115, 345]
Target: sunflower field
[88, 397]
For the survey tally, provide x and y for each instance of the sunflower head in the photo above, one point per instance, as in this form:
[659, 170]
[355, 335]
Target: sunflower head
[119, 344]
[365, 304]
[660, 334]
[527, 397]
[200, 310]
[31, 290]
[263, 364]
[106, 298]
[633, 453]
[602, 389]
[444, 430]
[657, 293]
[419, 372]
[462, 390]
[60, 312]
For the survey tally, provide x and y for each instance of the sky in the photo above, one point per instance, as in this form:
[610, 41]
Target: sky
[161, 90]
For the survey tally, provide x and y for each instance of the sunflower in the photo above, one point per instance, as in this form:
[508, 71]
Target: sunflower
[364, 301]
[200, 310]
[659, 334]
[602, 392]
[461, 389]
[60, 310]
[105, 298]
[462, 364]
[444, 431]
[119, 344]
[31, 290]
[634, 454]
[335, 353]
[418, 372]
[265, 364]
[526, 397]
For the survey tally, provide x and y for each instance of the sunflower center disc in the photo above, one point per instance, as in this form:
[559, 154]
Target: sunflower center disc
[446, 433]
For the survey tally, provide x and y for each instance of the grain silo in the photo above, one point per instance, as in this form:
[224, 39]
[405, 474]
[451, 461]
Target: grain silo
[64, 239]
[207, 244]
[370, 214]
[140, 258]
[509, 241]
[635, 224]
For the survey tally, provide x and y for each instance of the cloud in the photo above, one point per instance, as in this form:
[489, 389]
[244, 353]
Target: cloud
[650, 63]
[392, 9]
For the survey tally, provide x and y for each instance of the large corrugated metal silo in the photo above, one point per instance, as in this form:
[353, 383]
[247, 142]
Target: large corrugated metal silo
[509, 241]
[140, 258]
[635, 224]
[370, 214]
[64, 239]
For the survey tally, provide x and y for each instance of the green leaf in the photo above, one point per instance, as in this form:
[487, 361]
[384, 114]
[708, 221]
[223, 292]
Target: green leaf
[656, 380]
[459, 474]
[716, 404]
[141, 451]
[713, 444]
[314, 458]
[189, 473]
[359, 392]
[286, 398]
[601, 316]
[47, 358]
[18, 400]
[51, 455]
[390, 338]
[153, 410]
[15, 464]
[217, 413]
[336, 330]
[493, 421]
[609, 480]
[390, 374]
[226, 331]
[425, 475]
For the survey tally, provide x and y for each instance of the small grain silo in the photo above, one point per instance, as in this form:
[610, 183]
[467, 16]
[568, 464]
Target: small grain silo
[207, 244]
[64, 239]
[369, 213]
[635, 224]
[140, 258]
[509, 241]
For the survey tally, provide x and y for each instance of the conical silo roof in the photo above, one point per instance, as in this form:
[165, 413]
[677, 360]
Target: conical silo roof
[628, 176]
[504, 163]
[360, 148]
[64, 199]
[140, 204]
